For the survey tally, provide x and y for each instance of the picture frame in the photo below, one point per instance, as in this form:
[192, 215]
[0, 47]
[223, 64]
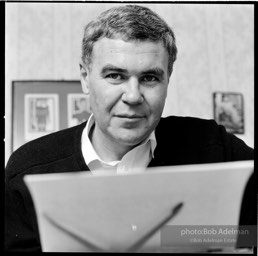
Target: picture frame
[41, 115]
[229, 111]
[78, 108]
[43, 107]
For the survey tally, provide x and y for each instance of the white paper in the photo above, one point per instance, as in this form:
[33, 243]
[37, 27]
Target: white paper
[115, 211]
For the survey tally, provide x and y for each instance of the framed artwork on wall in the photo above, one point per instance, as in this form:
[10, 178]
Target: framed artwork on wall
[43, 107]
[78, 108]
[41, 115]
[229, 111]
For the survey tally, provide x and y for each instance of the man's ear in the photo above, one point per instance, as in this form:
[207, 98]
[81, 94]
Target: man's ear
[84, 78]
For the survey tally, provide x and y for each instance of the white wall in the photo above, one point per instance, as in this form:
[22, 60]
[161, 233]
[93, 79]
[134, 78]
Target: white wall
[215, 43]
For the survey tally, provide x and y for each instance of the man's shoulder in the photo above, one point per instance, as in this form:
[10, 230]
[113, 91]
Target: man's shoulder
[188, 130]
[185, 123]
[44, 150]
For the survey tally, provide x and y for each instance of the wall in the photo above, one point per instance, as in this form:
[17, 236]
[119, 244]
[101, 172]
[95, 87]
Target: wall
[215, 43]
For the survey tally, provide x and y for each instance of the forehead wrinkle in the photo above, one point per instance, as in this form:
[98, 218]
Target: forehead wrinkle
[130, 51]
[118, 46]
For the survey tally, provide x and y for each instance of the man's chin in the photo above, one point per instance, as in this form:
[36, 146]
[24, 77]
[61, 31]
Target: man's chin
[131, 140]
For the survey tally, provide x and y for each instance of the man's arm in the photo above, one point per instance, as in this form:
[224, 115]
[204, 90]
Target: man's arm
[236, 149]
[21, 232]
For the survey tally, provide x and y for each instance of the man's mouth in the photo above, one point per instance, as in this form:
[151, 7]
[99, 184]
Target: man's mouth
[130, 118]
[127, 116]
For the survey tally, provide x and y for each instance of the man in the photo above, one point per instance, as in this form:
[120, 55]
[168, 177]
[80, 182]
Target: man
[127, 58]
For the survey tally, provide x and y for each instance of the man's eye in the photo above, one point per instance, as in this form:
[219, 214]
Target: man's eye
[149, 79]
[114, 76]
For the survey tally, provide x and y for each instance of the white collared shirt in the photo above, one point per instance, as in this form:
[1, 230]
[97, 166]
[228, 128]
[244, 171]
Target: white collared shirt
[136, 159]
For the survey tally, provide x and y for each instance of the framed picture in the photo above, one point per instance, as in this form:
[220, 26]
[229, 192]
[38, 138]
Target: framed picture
[43, 107]
[78, 108]
[41, 115]
[229, 111]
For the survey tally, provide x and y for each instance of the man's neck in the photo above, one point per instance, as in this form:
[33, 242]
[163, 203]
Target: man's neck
[106, 149]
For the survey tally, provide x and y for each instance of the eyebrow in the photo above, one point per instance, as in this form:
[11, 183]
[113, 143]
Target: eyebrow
[113, 68]
[152, 71]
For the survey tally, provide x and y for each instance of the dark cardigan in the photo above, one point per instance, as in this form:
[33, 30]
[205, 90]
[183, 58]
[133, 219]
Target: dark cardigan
[180, 140]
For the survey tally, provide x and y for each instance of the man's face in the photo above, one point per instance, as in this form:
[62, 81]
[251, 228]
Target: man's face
[127, 85]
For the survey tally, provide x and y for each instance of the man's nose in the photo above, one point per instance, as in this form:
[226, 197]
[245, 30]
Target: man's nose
[132, 94]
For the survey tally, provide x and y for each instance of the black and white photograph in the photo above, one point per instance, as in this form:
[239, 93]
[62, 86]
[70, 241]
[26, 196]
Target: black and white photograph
[41, 107]
[229, 111]
[41, 115]
[78, 108]
[129, 127]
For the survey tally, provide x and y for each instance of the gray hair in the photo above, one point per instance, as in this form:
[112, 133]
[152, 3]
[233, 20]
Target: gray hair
[130, 22]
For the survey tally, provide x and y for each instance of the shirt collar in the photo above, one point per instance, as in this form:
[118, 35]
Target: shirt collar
[89, 152]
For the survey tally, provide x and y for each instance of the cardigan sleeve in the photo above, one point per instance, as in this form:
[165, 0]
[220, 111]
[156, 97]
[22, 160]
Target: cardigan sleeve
[238, 151]
[21, 231]
[54, 153]
[235, 148]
